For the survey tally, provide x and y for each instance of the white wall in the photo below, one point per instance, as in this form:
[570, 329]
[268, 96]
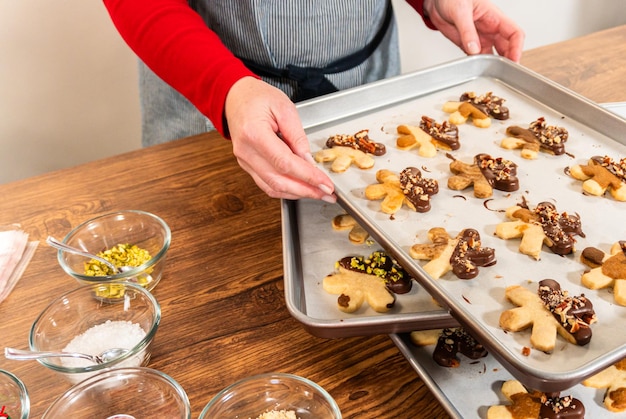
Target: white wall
[544, 21]
[68, 90]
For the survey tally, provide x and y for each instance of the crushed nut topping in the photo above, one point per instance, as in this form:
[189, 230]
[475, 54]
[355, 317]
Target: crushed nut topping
[503, 169]
[617, 168]
[445, 132]
[359, 141]
[489, 103]
[378, 263]
[417, 189]
[559, 228]
[574, 313]
[548, 135]
[469, 254]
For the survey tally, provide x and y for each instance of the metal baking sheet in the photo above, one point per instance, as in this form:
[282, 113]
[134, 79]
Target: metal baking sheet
[485, 377]
[311, 249]
[618, 108]
[477, 303]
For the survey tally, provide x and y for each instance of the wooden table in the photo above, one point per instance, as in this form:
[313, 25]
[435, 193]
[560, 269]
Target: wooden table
[222, 300]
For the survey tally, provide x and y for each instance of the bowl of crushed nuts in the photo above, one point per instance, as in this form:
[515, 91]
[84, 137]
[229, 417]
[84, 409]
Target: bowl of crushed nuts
[272, 396]
[136, 242]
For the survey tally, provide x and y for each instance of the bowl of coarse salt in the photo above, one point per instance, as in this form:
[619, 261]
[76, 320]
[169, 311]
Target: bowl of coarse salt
[83, 321]
[272, 396]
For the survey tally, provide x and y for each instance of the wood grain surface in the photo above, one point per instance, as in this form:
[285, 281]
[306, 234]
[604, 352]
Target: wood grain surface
[222, 300]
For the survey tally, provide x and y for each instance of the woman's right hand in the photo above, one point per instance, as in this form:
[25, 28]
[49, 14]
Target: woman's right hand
[270, 144]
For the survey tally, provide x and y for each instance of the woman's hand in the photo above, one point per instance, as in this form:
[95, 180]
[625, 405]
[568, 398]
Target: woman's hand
[270, 144]
[477, 27]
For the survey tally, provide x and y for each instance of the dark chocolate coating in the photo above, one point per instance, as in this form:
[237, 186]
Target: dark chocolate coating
[453, 341]
[445, 133]
[500, 173]
[383, 266]
[468, 255]
[417, 189]
[488, 103]
[575, 314]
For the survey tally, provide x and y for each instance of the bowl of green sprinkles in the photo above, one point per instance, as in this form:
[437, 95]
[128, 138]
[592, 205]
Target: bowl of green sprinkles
[134, 241]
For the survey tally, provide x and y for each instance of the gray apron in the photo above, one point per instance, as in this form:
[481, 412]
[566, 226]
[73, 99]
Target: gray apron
[304, 48]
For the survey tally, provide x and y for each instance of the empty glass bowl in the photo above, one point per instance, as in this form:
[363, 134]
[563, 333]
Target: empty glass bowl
[104, 233]
[123, 393]
[14, 400]
[259, 394]
[83, 321]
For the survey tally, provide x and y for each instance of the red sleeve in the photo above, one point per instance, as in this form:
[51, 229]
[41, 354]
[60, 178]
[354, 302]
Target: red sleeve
[418, 5]
[173, 40]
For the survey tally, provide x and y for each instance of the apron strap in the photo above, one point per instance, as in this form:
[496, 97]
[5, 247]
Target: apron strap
[312, 81]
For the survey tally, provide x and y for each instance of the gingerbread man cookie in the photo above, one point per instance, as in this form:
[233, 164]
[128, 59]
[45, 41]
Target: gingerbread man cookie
[602, 174]
[480, 108]
[344, 157]
[354, 288]
[549, 311]
[461, 255]
[613, 379]
[345, 150]
[409, 188]
[359, 141]
[542, 225]
[449, 342]
[411, 136]
[538, 136]
[425, 337]
[374, 279]
[535, 405]
[428, 137]
[357, 234]
[485, 174]
[607, 270]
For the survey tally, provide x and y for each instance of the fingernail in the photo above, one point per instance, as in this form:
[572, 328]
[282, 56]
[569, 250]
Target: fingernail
[309, 158]
[331, 199]
[326, 189]
[472, 48]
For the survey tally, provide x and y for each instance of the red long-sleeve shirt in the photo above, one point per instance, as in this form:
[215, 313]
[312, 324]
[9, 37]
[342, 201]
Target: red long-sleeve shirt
[173, 40]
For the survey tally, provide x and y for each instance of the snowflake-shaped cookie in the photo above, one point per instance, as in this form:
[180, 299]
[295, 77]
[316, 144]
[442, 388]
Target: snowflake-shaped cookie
[539, 226]
[602, 174]
[538, 136]
[540, 311]
[534, 404]
[408, 188]
[461, 255]
[607, 270]
[428, 137]
[485, 174]
[613, 379]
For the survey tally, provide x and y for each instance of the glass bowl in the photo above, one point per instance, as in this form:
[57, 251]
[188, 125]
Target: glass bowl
[83, 321]
[124, 393]
[103, 233]
[14, 400]
[263, 393]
